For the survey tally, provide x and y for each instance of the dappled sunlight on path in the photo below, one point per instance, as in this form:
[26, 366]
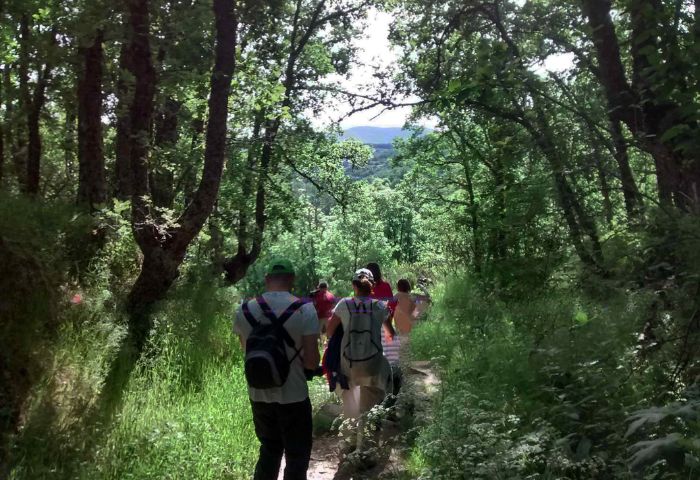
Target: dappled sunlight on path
[415, 402]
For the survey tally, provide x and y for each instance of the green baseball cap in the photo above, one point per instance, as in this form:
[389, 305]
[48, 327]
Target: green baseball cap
[280, 266]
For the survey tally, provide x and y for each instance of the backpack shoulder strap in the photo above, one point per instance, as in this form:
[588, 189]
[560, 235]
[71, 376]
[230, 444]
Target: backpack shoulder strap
[291, 310]
[249, 316]
[279, 322]
[266, 310]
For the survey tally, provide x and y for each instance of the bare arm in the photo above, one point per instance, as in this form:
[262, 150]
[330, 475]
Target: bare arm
[332, 325]
[390, 327]
[309, 346]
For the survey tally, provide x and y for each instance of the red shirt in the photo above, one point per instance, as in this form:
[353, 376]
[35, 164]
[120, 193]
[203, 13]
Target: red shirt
[324, 301]
[382, 291]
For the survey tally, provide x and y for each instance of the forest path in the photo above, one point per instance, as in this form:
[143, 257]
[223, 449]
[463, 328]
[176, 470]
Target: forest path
[413, 408]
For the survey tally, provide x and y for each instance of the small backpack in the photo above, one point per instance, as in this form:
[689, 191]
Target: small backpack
[266, 363]
[362, 344]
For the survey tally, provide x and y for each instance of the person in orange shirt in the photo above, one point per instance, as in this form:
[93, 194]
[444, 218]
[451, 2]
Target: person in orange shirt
[404, 312]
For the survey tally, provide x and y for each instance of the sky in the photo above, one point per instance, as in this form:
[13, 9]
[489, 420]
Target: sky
[374, 48]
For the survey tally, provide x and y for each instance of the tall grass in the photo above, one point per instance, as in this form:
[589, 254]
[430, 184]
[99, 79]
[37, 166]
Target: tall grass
[541, 387]
[184, 414]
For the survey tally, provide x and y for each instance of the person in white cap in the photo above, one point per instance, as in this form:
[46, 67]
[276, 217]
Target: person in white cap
[362, 358]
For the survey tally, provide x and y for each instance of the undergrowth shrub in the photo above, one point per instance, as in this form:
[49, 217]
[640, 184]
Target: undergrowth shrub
[185, 410]
[33, 292]
[542, 387]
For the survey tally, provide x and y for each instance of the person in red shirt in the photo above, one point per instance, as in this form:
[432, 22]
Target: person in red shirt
[382, 291]
[324, 301]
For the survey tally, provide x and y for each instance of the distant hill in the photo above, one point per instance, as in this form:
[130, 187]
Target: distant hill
[376, 135]
[380, 139]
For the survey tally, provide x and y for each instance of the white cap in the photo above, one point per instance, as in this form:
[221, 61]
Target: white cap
[363, 273]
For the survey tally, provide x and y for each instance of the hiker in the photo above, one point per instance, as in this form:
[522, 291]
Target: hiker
[381, 289]
[404, 312]
[279, 334]
[390, 342]
[324, 301]
[362, 361]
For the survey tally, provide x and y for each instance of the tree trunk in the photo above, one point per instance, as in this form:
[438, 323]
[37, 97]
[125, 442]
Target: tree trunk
[500, 186]
[630, 192]
[2, 131]
[604, 184]
[122, 163]
[162, 179]
[140, 64]
[163, 253]
[647, 115]
[577, 219]
[25, 101]
[69, 137]
[236, 267]
[474, 215]
[33, 118]
[9, 143]
[91, 179]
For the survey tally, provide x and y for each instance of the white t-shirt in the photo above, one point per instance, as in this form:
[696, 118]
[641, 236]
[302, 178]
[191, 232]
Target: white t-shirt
[380, 313]
[303, 322]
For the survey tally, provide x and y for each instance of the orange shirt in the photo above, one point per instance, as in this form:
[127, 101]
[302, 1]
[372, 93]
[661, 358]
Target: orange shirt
[403, 315]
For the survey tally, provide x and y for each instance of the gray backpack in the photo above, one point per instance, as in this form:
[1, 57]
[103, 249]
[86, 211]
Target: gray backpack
[362, 355]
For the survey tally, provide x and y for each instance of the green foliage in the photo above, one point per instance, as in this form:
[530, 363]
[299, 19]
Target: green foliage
[566, 331]
[541, 388]
[33, 282]
[184, 413]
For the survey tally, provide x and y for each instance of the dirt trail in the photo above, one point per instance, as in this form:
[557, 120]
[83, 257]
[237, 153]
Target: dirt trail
[420, 383]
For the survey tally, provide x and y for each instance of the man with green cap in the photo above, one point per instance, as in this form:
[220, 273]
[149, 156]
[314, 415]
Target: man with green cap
[275, 322]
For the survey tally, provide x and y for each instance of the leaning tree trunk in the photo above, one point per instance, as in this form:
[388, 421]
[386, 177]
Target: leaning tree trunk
[630, 191]
[236, 267]
[91, 178]
[580, 223]
[164, 253]
[647, 115]
[600, 166]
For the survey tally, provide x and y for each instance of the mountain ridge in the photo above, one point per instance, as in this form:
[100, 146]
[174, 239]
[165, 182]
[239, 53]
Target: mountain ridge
[376, 135]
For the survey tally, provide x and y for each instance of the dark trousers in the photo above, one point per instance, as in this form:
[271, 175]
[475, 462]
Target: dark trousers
[283, 429]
